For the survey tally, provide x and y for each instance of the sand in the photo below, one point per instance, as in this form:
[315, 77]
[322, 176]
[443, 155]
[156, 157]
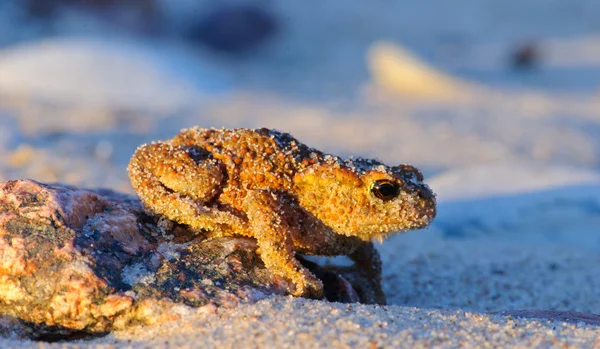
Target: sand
[515, 162]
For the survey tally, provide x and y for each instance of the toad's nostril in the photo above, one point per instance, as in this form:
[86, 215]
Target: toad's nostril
[420, 176]
[411, 169]
[417, 174]
[425, 193]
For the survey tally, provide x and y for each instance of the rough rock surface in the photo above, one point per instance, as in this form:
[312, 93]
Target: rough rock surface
[79, 262]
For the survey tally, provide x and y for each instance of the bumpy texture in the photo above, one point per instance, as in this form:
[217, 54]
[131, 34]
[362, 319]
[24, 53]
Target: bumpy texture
[291, 198]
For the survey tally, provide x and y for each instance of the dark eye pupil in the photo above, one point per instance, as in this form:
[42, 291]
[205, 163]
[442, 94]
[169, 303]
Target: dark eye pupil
[385, 189]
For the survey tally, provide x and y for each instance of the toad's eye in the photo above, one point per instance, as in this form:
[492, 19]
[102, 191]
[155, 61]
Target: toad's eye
[385, 189]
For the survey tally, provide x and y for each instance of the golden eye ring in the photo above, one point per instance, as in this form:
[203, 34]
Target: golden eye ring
[385, 189]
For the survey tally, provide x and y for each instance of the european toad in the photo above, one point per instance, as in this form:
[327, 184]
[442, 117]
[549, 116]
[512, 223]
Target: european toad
[291, 198]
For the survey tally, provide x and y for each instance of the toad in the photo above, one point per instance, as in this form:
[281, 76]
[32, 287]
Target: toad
[291, 198]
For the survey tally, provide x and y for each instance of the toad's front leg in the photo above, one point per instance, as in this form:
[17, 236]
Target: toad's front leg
[276, 245]
[367, 277]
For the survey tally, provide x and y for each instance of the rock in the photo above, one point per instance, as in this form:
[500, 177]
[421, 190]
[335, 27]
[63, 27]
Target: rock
[553, 315]
[103, 74]
[400, 72]
[125, 16]
[234, 29]
[48, 8]
[526, 55]
[77, 262]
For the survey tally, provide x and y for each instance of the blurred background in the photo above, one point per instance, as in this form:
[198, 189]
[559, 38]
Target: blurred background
[497, 101]
[438, 84]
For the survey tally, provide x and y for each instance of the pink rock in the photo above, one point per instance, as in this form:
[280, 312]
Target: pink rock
[76, 261]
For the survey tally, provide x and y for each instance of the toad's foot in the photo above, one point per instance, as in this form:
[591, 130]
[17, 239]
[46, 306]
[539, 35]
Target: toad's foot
[368, 265]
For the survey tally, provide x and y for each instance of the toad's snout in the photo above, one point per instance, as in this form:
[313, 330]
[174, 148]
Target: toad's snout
[426, 199]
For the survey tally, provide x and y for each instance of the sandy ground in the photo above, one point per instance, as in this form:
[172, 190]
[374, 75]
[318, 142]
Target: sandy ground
[514, 158]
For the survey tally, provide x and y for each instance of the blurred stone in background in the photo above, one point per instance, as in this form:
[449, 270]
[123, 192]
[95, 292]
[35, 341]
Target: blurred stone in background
[228, 28]
[526, 55]
[234, 29]
[140, 16]
[397, 70]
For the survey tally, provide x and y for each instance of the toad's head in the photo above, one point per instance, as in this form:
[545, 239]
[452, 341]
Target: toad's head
[365, 198]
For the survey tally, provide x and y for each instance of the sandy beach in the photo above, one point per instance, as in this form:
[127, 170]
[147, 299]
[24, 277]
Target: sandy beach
[512, 152]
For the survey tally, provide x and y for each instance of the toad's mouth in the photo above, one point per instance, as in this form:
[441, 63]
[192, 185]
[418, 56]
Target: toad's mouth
[382, 231]
[401, 225]
[418, 218]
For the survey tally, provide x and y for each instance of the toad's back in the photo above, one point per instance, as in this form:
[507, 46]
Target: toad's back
[253, 159]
